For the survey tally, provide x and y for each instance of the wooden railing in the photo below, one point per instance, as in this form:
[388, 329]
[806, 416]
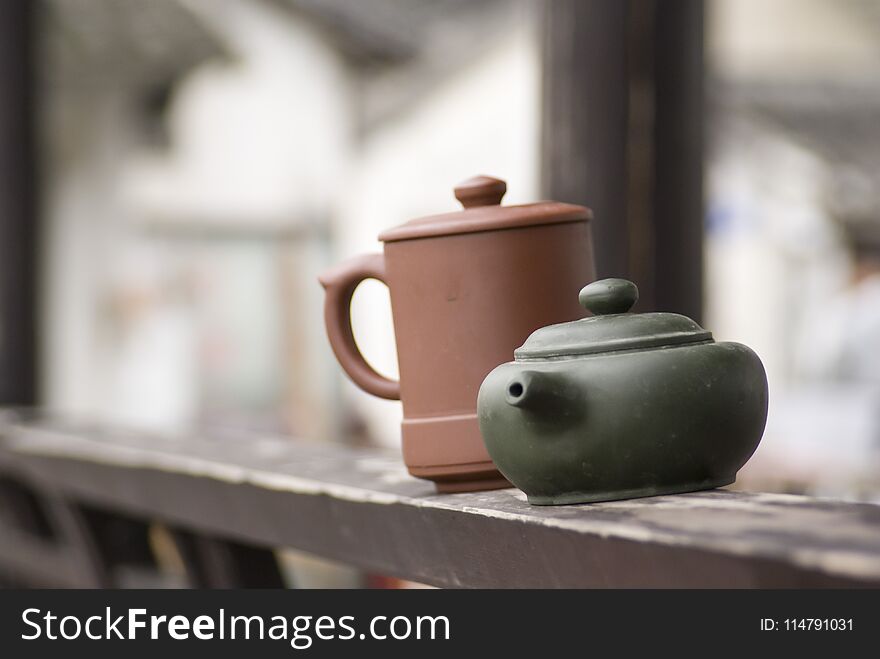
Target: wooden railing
[76, 503]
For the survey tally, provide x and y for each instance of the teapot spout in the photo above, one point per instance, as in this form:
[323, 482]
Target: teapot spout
[539, 391]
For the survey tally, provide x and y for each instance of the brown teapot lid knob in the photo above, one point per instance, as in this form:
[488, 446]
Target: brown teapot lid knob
[480, 191]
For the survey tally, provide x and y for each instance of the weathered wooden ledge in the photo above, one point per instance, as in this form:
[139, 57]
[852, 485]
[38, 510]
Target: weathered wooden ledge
[360, 507]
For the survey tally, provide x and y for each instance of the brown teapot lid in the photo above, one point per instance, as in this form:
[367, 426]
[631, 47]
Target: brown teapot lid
[611, 328]
[481, 198]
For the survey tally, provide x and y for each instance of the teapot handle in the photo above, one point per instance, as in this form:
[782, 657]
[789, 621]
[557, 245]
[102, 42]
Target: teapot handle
[339, 284]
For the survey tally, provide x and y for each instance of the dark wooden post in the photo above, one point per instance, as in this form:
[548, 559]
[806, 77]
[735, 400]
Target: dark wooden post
[18, 229]
[212, 562]
[622, 133]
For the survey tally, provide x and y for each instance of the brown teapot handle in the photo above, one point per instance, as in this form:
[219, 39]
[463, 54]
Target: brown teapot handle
[339, 284]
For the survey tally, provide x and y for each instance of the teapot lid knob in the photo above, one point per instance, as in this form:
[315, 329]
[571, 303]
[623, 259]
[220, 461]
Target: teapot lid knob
[609, 296]
[480, 191]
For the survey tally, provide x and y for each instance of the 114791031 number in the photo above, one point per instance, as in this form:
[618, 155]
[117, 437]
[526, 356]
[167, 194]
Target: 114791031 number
[807, 624]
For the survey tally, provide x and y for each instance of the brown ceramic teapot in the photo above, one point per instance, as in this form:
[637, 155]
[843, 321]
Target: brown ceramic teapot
[467, 288]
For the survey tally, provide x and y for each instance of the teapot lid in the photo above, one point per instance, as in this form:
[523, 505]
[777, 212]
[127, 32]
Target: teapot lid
[611, 328]
[481, 198]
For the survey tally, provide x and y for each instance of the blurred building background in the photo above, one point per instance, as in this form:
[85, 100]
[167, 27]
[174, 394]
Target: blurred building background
[201, 161]
[207, 159]
[792, 258]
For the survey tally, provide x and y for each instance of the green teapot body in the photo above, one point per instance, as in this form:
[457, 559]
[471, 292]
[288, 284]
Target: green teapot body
[662, 411]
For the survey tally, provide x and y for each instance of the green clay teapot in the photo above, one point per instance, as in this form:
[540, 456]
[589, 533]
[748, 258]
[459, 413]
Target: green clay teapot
[622, 405]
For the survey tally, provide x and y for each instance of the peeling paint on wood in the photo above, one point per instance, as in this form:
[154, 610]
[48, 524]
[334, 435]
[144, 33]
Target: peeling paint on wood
[361, 507]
